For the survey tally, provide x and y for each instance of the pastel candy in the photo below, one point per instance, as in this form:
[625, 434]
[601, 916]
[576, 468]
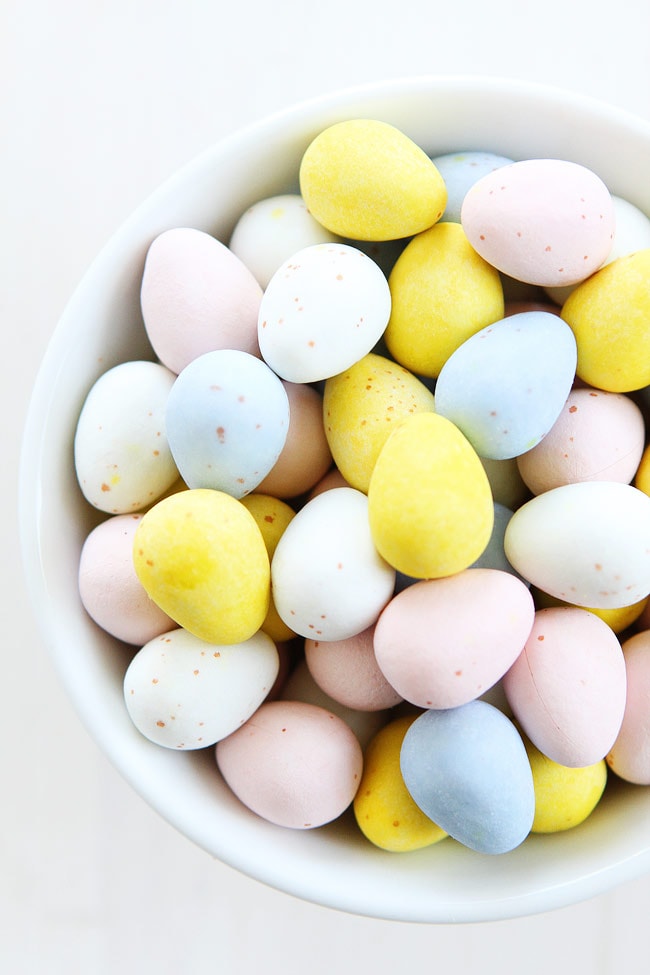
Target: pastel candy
[460, 170]
[347, 670]
[629, 756]
[272, 516]
[564, 797]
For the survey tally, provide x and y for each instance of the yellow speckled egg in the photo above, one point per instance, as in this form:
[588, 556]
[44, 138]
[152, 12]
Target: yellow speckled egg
[429, 501]
[271, 517]
[564, 797]
[366, 180]
[361, 407]
[202, 559]
[442, 292]
[609, 314]
[384, 810]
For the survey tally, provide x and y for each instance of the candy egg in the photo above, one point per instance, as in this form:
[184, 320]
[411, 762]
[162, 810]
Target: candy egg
[429, 501]
[227, 421]
[272, 517]
[547, 222]
[121, 453]
[322, 310]
[182, 692]
[567, 688]
[109, 588]
[384, 810]
[505, 386]
[294, 764]
[443, 642]
[347, 670]
[629, 756]
[468, 771]
[564, 797]
[366, 180]
[360, 408]
[328, 580]
[597, 436]
[586, 543]
[202, 559]
[460, 170]
[197, 296]
[442, 292]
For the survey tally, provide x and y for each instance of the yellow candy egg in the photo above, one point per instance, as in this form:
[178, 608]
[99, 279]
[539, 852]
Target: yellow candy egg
[442, 292]
[564, 797]
[642, 476]
[609, 314]
[271, 517]
[618, 618]
[361, 407]
[384, 810]
[429, 501]
[202, 559]
[366, 180]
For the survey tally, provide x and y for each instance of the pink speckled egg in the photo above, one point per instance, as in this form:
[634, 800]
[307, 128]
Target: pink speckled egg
[347, 670]
[294, 764]
[547, 222]
[598, 436]
[567, 689]
[110, 590]
[629, 757]
[443, 642]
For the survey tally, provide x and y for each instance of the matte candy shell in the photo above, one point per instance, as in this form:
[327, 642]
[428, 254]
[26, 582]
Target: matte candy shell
[429, 500]
[564, 797]
[272, 516]
[609, 315]
[467, 769]
[567, 688]
[629, 757]
[442, 292]
[294, 764]
[366, 180]
[361, 407]
[384, 810]
[585, 543]
[347, 670]
[202, 559]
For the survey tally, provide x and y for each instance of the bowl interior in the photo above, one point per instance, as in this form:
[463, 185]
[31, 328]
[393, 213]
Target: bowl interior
[102, 326]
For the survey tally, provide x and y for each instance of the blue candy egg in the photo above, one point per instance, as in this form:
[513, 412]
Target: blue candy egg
[460, 170]
[506, 385]
[467, 770]
[227, 420]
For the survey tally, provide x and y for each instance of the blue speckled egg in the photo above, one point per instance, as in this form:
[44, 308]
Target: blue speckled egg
[460, 170]
[506, 385]
[467, 769]
[227, 421]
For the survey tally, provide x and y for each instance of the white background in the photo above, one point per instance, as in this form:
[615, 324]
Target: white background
[101, 101]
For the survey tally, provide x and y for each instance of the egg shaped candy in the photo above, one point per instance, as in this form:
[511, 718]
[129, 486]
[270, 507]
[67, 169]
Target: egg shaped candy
[505, 386]
[227, 421]
[629, 756]
[365, 179]
[564, 797]
[429, 500]
[586, 543]
[442, 292]
[347, 671]
[567, 688]
[272, 516]
[494, 556]
[202, 559]
[322, 310]
[197, 296]
[184, 693]
[597, 436]
[294, 764]
[362, 405]
[384, 810]
[122, 456]
[468, 771]
[547, 222]
[328, 580]
[109, 588]
[609, 317]
[443, 642]
[460, 170]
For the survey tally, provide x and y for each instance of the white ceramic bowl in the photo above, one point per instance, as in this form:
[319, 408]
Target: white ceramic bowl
[102, 326]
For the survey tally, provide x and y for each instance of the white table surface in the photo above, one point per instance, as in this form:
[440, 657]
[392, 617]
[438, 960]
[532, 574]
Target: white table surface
[101, 101]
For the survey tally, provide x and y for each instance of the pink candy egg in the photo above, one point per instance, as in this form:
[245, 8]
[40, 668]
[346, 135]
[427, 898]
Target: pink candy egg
[347, 670]
[629, 757]
[547, 222]
[109, 588]
[567, 689]
[443, 642]
[294, 764]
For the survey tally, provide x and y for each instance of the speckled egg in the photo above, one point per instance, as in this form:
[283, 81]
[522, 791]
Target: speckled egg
[347, 670]
[629, 756]
[294, 764]
[460, 170]
[272, 516]
[564, 797]
[547, 222]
